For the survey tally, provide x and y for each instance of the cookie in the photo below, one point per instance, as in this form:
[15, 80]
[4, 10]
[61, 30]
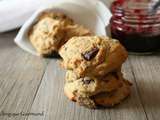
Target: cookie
[105, 99]
[92, 55]
[91, 92]
[89, 86]
[52, 31]
[46, 36]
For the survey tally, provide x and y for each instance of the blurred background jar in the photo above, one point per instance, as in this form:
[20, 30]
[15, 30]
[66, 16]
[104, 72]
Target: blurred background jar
[135, 25]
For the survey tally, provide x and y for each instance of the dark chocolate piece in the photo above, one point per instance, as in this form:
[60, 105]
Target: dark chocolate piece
[115, 75]
[90, 54]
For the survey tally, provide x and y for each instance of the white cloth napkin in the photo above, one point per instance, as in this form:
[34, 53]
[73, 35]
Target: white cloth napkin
[15, 12]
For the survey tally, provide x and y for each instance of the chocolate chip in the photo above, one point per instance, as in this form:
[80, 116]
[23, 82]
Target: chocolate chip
[115, 74]
[90, 54]
[87, 81]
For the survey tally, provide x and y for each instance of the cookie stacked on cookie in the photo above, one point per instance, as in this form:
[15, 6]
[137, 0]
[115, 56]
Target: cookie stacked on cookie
[94, 75]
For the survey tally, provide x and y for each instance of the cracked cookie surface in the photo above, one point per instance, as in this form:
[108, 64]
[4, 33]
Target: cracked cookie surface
[92, 55]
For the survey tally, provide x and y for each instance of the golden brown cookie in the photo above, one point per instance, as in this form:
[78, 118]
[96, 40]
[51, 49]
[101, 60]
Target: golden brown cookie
[105, 99]
[89, 86]
[92, 55]
[46, 36]
[52, 31]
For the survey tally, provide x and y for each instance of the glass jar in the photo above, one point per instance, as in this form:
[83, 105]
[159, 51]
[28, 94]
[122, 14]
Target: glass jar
[133, 24]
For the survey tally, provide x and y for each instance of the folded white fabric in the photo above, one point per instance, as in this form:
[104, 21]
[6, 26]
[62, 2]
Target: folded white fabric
[91, 14]
[15, 12]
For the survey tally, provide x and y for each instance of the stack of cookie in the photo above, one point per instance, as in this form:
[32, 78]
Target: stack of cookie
[94, 75]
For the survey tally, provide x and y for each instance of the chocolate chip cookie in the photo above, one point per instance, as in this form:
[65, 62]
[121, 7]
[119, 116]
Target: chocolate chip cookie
[46, 36]
[105, 99]
[92, 55]
[52, 31]
[89, 86]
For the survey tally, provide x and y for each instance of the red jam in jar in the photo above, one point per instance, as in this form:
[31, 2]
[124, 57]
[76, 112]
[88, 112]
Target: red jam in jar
[133, 24]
